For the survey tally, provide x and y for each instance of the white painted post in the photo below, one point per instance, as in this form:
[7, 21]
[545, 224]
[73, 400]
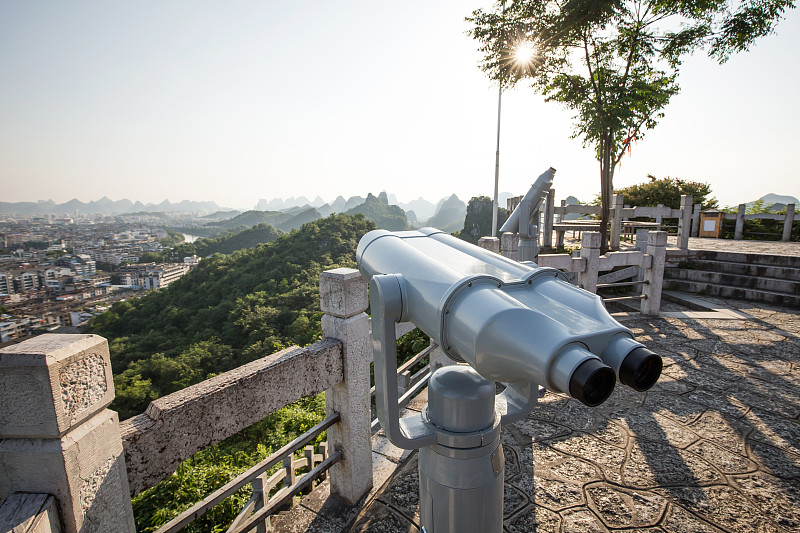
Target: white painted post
[549, 214]
[56, 435]
[490, 243]
[685, 222]
[657, 248]
[737, 234]
[590, 250]
[343, 299]
[787, 223]
[696, 220]
[616, 220]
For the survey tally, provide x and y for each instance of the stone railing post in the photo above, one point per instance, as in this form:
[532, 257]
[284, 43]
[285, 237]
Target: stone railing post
[590, 250]
[490, 243]
[343, 299]
[696, 220]
[616, 220]
[654, 276]
[549, 215]
[739, 231]
[56, 435]
[787, 223]
[685, 222]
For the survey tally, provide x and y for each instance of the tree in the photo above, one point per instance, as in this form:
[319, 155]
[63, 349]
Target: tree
[478, 221]
[667, 191]
[614, 63]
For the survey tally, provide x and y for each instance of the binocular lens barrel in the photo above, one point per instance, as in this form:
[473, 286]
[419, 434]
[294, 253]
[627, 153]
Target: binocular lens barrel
[640, 369]
[592, 382]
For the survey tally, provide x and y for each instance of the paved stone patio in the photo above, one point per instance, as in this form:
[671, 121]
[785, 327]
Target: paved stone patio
[714, 446]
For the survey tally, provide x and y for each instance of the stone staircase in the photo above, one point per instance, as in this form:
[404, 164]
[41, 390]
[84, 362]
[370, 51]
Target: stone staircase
[773, 279]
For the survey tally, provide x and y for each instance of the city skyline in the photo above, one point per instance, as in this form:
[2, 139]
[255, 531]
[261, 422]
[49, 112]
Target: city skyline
[204, 102]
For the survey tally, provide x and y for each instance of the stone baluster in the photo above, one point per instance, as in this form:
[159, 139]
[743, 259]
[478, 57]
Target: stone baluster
[685, 222]
[549, 215]
[590, 250]
[696, 220]
[490, 243]
[616, 220]
[787, 223]
[57, 435]
[654, 276]
[739, 231]
[343, 299]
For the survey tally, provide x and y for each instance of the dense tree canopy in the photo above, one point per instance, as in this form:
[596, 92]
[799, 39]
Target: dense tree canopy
[478, 221]
[668, 191]
[614, 63]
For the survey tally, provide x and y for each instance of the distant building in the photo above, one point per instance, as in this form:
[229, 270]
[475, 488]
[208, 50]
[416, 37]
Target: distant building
[150, 275]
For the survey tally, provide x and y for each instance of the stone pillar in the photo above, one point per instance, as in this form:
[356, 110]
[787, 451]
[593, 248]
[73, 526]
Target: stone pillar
[549, 215]
[510, 245]
[685, 222]
[343, 299]
[56, 435]
[737, 234]
[787, 223]
[657, 248]
[696, 220]
[590, 250]
[616, 220]
[490, 243]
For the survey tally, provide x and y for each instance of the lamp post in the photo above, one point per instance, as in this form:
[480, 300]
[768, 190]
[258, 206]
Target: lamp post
[523, 57]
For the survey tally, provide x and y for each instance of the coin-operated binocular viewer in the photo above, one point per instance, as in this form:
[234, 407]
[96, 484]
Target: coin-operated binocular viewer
[513, 323]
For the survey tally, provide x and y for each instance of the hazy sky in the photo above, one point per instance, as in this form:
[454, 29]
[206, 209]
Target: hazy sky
[235, 101]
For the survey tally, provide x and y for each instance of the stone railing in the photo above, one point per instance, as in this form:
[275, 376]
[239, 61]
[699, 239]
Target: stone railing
[552, 220]
[643, 267]
[58, 438]
[740, 217]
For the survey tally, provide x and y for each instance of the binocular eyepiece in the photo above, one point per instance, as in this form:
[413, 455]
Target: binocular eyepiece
[509, 321]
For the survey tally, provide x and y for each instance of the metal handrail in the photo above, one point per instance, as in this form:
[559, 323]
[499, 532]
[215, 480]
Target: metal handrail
[227, 490]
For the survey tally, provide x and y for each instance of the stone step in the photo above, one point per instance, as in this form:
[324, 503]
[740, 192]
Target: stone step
[727, 291]
[750, 259]
[785, 286]
[744, 269]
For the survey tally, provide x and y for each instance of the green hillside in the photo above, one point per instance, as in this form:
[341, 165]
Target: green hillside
[478, 220]
[258, 234]
[228, 311]
[379, 211]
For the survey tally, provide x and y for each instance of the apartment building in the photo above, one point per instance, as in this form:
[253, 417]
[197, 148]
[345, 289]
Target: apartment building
[145, 276]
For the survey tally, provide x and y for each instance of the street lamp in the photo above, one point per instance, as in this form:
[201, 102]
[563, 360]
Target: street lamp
[524, 53]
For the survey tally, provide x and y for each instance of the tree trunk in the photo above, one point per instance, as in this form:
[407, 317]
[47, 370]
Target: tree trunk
[606, 189]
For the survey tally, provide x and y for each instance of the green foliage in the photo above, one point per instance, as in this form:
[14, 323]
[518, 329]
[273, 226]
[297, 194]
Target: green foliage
[478, 221]
[667, 192]
[247, 238]
[759, 206]
[385, 216]
[614, 64]
[55, 253]
[211, 468]
[226, 312]
[173, 238]
[4, 310]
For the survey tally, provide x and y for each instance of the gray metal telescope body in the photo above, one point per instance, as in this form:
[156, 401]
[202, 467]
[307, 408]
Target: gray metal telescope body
[524, 220]
[514, 323]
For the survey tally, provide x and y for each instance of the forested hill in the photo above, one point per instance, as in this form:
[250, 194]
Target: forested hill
[228, 311]
[258, 234]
